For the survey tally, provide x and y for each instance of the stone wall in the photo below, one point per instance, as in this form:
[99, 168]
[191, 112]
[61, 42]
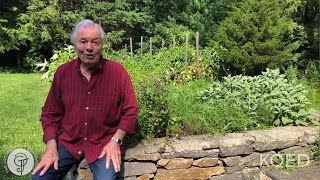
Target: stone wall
[232, 156]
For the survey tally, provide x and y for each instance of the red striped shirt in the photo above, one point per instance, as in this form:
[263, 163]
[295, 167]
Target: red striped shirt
[83, 116]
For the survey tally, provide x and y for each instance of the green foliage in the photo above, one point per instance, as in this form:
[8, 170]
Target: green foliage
[254, 34]
[181, 71]
[154, 113]
[62, 56]
[259, 35]
[315, 148]
[168, 18]
[199, 118]
[187, 73]
[41, 26]
[308, 15]
[9, 11]
[269, 97]
[312, 73]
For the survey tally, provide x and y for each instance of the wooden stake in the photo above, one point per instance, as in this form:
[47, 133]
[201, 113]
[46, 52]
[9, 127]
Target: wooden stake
[197, 48]
[186, 52]
[151, 45]
[131, 49]
[126, 51]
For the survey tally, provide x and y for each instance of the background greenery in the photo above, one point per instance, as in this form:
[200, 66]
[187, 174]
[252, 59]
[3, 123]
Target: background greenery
[252, 34]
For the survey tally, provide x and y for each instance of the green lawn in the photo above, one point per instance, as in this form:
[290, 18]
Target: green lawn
[21, 97]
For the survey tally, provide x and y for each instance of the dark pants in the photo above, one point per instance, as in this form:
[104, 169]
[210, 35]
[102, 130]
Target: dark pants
[66, 161]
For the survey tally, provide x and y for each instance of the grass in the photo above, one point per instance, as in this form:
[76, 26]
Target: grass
[21, 97]
[198, 118]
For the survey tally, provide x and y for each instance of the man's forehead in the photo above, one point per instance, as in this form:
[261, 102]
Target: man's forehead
[89, 31]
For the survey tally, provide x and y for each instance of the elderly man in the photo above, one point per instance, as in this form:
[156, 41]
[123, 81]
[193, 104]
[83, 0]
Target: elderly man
[90, 108]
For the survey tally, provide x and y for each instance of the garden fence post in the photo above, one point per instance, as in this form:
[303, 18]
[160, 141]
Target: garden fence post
[186, 52]
[131, 49]
[126, 51]
[197, 48]
[150, 45]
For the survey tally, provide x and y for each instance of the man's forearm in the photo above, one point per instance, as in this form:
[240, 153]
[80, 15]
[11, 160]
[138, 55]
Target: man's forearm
[120, 134]
[52, 143]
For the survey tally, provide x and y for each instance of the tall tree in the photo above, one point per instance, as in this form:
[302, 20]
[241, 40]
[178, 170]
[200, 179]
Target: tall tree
[9, 12]
[309, 16]
[260, 33]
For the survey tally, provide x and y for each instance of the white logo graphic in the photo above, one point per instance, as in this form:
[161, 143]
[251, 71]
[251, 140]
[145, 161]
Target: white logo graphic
[20, 162]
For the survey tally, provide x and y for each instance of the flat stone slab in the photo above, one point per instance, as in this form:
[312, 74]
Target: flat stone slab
[192, 154]
[137, 169]
[189, 174]
[305, 173]
[193, 143]
[276, 138]
[245, 174]
[235, 144]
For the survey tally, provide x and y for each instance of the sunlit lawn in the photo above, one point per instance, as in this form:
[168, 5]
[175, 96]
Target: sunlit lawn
[21, 97]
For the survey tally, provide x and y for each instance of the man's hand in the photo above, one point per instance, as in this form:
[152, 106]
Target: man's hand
[112, 152]
[49, 157]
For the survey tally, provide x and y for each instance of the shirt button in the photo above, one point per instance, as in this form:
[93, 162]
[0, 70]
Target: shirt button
[85, 123]
[85, 139]
[79, 152]
[89, 92]
[87, 108]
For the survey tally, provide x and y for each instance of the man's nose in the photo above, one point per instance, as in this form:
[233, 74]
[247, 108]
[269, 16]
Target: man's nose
[89, 46]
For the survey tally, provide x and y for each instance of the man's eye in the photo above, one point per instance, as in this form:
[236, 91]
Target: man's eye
[83, 41]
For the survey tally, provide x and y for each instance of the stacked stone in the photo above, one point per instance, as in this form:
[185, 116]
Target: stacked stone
[233, 156]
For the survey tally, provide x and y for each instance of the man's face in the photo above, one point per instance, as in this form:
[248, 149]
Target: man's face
[89, 45]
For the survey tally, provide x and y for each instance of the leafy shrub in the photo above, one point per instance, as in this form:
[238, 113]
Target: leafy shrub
[315, 148]
[186, 73]
[312, 73]
[154, 113]
[179, 71]
[265, 96]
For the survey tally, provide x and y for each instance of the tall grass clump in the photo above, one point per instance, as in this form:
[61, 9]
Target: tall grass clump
[197, 118]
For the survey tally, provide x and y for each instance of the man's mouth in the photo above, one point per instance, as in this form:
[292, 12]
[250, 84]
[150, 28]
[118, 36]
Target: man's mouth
[89, 56]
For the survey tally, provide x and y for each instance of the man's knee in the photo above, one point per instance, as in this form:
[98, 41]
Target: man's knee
[37, 176]
[100, 171]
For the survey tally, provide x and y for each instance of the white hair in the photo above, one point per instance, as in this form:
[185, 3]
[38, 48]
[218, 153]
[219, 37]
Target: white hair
[84, 23]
